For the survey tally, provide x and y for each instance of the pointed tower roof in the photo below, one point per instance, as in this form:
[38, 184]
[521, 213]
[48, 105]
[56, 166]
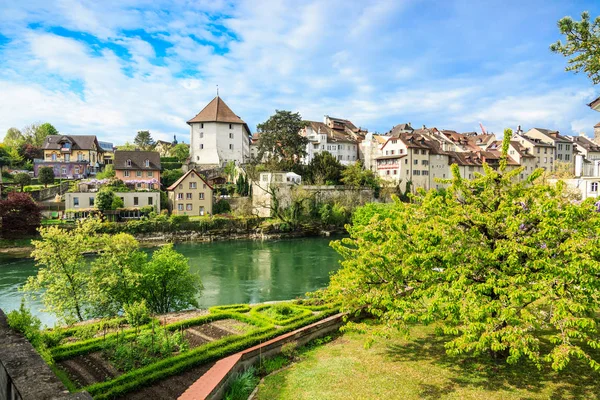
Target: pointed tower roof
[217, 111]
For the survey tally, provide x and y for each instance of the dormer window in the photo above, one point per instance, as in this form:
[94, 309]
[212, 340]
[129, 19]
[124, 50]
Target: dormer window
[128, 163]
[147, 163]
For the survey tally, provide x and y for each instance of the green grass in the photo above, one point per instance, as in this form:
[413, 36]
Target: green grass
[10, 243]
[418, 368]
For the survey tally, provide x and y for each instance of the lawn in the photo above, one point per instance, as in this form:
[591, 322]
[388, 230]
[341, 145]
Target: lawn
[418, 368]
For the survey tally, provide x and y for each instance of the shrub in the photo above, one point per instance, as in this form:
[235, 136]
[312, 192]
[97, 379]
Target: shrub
[136, 313]
[269, 365]
[46, 176]
[20, 215]
[146, 210]
[289, 350]
[22, 179]
[178, 219]
[242, 385]
[221, 207]
[29, 325]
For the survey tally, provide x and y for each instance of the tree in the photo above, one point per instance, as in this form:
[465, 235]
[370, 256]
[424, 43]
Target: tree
[36, 134]
[62, 271]
[20, 215]
[106, 199]
[582, 45]
[280, 141]
[116, 274]
[221, 207]
[242, 187]
[181, 151]
[46, 176]
[14, 157]
[167, 283]
[143, 139]
[109, 172]
[356, 176]
[127, 147]
[4, 156]
[29, 152]
[230, 171]
[23, 179]
[494, 262]
[170, 176]
[324, 168]
[14, 138]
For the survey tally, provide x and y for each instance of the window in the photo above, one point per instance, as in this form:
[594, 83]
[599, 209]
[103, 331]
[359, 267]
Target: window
[181, 186]
[416, 162]
[76, 201]
[192, 185]
[179, 196]
[395, 172]
[149, 200]
[63, 171]
[53, 157]
[67, 157]
[230, 135]
[202, 125]
[425, 162]
[91, 201]
[594, 187]
[416, 172]
[147, 163]
[230, 146]
[201, 196]
[545, 159]
[567, 147]
[560, 156]
[136, 201]
[204, 186]
[560, 146]
[139, 185]
[201, 210]
[77, 170]
[567, 157]
[126, 173]
[538, 150]
[197, 158]
[149, 174]
[128, 163]
[188, 196]
[406, 161]
[423, 151]
[138, 173]
[79, 157]
[387, 172]
[180, 207]
[188, 207]
[201, 146]
[201, 135]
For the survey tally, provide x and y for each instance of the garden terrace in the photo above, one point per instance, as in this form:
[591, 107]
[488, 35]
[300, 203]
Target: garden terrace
[112, 359]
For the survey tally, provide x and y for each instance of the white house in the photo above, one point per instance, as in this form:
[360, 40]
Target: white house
[333, 136]
[218, 136]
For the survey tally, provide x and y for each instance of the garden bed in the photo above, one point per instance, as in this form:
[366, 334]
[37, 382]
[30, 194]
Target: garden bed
[88, 369]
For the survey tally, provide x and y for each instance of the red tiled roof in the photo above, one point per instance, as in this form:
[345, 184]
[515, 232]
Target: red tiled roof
[216, 111]
[173, 186]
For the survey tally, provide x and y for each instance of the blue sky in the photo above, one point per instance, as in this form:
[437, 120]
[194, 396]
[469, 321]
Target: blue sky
[112, 68]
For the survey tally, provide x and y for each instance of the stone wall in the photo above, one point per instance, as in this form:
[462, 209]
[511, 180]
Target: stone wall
[23, 373]
[49, 193]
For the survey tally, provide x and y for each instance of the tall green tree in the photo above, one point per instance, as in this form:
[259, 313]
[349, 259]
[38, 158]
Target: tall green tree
[582, 45]
[356, 176]
[324, 168]
[144, 140]
[46, 176]
[167, 283]
[281, 144]
[14, 138]
[494, 262]
[36, 134]
[23, 179]
[127, 146]
[62, 274]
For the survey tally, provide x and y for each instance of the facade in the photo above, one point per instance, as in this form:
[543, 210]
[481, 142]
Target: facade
[564, 151]
[587, 153]
[268, 183]
[543, 152]
[335, 136]
[164, 148]
[71, 156]
[190, 195]
[139, 169]
[85, 200]
[218, 136]
[108, 152]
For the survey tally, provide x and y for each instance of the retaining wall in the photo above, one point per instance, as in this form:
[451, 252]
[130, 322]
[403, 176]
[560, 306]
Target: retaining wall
[49, 193]
[213, 384]
[24, 375]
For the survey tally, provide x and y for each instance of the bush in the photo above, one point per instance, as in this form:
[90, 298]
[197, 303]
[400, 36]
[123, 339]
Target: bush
[221, 207]
[29, 325]
[22, 179]
[146, 210]
[20, 215]
[178, 219]
[46, 176]
[242, 385]
[137, 313]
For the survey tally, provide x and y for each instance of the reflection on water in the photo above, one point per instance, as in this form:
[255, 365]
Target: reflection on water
[231, 272]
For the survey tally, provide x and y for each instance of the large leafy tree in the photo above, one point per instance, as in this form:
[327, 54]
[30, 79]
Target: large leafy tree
[493, 262]
[357, 176]
[144, 140]
[35, 134]
[324, 168]
[181, 151]
[23, 179]
[582, 45]
[281, 144]
[14, 138]
[20, 215]
[167, 283]
[46, 176]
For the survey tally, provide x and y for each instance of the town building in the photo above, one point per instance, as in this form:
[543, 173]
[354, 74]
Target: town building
[587, 156]
[71, 156]
[339, 137]
[542, 151]
[164, 148]
[271, 184]
[563, 147]
[86, 200]
[190, 195]
[138, 169]
[217, 136]
[108, 152]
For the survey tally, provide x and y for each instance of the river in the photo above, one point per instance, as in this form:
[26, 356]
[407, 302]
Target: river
[231, 272]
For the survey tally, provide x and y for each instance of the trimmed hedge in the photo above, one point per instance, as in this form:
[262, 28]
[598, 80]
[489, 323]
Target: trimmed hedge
[256, 313]
[215, 317]
[170, 164]
[239, 308]
[211, 351]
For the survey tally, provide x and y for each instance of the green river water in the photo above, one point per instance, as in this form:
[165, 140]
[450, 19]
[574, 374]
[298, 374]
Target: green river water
[231, 272]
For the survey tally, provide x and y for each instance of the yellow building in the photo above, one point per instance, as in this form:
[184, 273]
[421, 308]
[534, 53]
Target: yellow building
[71, 156]
[190, 195]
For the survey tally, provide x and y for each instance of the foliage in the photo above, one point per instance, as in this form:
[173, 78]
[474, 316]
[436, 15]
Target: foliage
[281, 313]
[493, 261]
[280, 143]
[164, 200]
[23, 179]
[562, 170]
[109, 172]
[127, 147]
[143, 140]
[14, 157]
[178, 219]
[334, 214]
[167, 283]
[105, 199]
[20, 215]
[40, 134]
[46, 176]
[170, 176]
[29, 151]
[242, 186]
[143, 349]
[243, 385]
[170, 165]
[356, 176]
[62, 271]
[230, 171]
[324, 168]
[115, 274]
[582, 45]
[13, 138]
[181, 152]
[222, 206]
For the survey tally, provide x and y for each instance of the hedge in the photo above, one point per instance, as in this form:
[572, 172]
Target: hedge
[204, 225]
[173, 365]
[239, 308]
[170, 165]
[256, 313]
[168, 159]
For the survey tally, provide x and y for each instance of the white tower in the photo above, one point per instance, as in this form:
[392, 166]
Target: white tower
[218, 136]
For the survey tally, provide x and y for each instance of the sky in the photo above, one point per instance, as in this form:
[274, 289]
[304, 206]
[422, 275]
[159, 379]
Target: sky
[112, 68]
